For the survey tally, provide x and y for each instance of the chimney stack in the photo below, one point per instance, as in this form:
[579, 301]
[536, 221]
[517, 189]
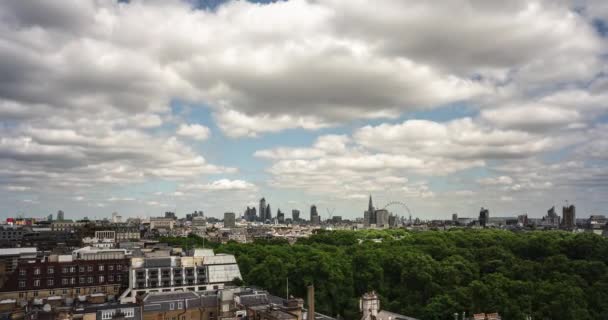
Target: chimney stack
[311, 302]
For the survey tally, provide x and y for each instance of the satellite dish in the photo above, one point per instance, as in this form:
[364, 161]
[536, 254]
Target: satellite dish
[46, 308]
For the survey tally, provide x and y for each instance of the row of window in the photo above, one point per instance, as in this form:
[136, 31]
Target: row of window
[72, 269]
[109, 314]
[71, 281]
[23, 295]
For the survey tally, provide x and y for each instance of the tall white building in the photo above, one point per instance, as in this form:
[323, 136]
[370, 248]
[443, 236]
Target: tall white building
[202, 271]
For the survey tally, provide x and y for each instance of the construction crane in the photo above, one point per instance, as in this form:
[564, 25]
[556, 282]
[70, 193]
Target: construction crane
[330, 213]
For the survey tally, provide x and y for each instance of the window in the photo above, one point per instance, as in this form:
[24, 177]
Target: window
[77, 290]
[64, 270]
[21, 294]
[90, 279]
[110, 278]
[72, 269]
[35, 293]
[172, 306]
[129, 313]
[52, 292]
[107, 314]
[22, 272]
[101, 267]
[119, 267]
[81, 268]
[101, 279]
[21, 284]
[64, 291]
[73, 281]
[37, 271]
[180, 305]
[90, 268]
[65, 281]
[50, 270]
[83, 280]
[118, 278]
[36, 283]
[110, 267]
[49, 282]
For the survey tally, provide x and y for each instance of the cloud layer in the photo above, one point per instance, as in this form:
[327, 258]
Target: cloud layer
[87, 90]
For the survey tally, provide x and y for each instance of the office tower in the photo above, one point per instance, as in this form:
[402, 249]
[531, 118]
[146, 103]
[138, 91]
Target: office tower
[314, 215]
[170, 215]
[484, 216]
[455, 217]
[262, 210]
[268, 214]
[50, 218]
[569, 217]
[60, 216]
[382, 218]
[229, 220]
[552, 218]
[295, 215]
[280, 216]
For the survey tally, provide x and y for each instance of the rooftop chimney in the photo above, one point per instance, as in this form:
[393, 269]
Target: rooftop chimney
[311, 302]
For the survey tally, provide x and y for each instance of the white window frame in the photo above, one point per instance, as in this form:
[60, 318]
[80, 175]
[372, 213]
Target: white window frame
[107, 314]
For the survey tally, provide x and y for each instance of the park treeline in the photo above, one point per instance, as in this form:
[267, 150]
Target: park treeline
[434, 274]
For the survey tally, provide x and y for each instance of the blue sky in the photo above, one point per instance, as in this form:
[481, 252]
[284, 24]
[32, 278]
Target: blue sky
[142, 107]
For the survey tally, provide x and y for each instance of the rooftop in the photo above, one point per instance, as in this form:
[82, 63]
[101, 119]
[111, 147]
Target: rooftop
[156, 297]
[16, 251]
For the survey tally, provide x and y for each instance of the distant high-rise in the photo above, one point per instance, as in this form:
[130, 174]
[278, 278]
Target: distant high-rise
[552, 219]
[484, 217]
[170, 215]
[382, 218]
[60, 216]
[369, 216]
[262, 210]
[268, 214]
[295, 215]
[229, 220]
[50, 218]
[569, 217]
[250, 214]
[280, 216]
[314, 215]
[454, 217]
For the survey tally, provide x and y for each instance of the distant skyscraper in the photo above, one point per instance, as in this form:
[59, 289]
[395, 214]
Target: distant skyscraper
[268, 214]
[484, 216]
[229, 220]
[170, 215]
[60, 216]
[454, 217]
[295, 215]
[262, 210]
[382, 218]
[569, 217]
[250, 214]
[369, 216]
[314, 215]
[552, 218]
[50, 217]
[280, 216]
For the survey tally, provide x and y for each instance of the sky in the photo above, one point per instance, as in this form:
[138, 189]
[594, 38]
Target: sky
[141, 107]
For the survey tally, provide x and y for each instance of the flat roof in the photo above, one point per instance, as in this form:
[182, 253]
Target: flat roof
[16, 251]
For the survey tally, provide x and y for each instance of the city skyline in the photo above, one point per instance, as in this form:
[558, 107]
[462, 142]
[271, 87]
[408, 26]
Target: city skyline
[104, 109]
